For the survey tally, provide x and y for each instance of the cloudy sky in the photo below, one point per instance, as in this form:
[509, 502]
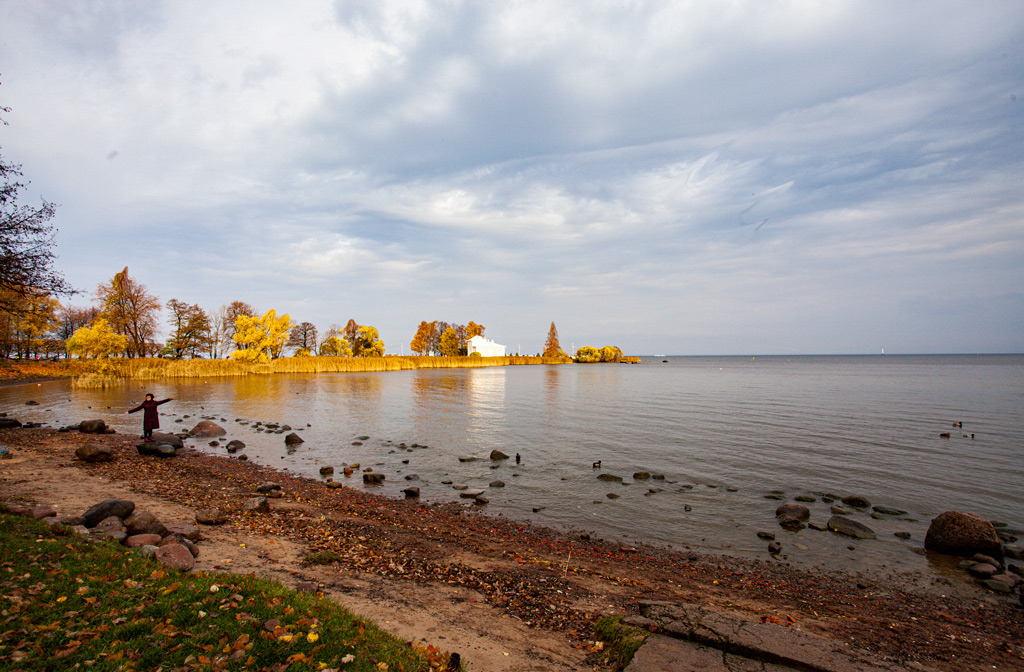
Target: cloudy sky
[669, 177]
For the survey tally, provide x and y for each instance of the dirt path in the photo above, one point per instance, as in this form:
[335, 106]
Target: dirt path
[507, 596]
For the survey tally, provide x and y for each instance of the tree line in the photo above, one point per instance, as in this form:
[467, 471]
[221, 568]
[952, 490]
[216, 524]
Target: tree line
[444, 339]
[125, 321]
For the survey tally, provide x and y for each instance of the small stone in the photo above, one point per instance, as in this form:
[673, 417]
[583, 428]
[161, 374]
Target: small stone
[92, 452]
[373, 478]
[41, 511]
[306, 587]
[497, 484]
[137, 540]
[850, 528]
[856, 501]
[211, 517]
[609, 477]
[805, 498]
[256, 505]
[767, 536]
[641, 476]
[798, 511]
[326, 471]
[293, 439]
[790, 522]
[775, 548]
[411, 493]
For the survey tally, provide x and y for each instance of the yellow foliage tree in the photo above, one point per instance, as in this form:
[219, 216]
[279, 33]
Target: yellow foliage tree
[335, 347]
[449, 343]
[588, 355]
[99, 340]
[610, 353]
[261, 339]
[369, 342]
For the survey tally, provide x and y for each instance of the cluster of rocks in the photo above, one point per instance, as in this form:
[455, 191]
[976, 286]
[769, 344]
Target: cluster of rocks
[173, 545]
[974, 537]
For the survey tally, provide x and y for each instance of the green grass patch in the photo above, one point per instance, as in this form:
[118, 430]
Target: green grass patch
[70, 603]
[622, 641]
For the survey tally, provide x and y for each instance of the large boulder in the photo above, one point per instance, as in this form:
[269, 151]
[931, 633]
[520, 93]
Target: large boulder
[961, 533]
[122, 508]
[292, 439]
[9, 423]
[92, 427]
[93, 452]
[207, 428]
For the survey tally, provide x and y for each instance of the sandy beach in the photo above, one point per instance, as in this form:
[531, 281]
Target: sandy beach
[504, 594]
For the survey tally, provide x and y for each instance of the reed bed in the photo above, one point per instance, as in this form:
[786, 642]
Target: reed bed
[100, 373]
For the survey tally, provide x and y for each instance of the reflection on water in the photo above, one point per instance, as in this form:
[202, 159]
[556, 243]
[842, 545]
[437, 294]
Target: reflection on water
[722, 431]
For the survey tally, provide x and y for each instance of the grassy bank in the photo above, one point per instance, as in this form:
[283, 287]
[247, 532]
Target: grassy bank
[96, 373]
[72, 603]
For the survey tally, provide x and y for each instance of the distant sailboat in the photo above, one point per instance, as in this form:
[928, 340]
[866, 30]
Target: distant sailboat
[883, 350]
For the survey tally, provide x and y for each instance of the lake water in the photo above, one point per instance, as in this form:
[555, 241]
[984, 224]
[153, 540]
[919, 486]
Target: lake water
[723, 431]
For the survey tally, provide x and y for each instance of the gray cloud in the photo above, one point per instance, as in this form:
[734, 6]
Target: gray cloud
[669, 178]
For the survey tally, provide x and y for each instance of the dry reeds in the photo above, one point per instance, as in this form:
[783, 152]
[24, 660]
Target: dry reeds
[97, 373]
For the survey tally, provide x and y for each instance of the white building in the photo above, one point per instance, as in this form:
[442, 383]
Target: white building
[485, 347]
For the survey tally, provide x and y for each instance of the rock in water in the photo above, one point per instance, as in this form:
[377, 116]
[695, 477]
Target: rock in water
[92, 452]
[850, 528]
[122, 508]
[293, 439]
[960, 533]
[798, 511]
[373, 478]
[856, 501]
[498, 455]
[207, 428]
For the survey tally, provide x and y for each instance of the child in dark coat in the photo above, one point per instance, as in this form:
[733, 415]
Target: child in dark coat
[150, 419]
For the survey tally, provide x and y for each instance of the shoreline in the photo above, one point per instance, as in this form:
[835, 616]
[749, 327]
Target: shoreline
[540, 587]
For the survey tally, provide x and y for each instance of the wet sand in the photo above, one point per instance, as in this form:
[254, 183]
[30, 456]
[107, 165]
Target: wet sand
[505, 594]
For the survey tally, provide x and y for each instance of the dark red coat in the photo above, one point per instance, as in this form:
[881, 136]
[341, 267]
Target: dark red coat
[150, 419]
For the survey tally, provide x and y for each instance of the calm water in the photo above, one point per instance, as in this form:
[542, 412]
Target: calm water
[724, 431]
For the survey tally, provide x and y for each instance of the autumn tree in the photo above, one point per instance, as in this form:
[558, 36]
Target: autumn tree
[98, 340]
[260, 339]
[190, 329]
[333, 331]
[351, 334]
[335, 346]
[449, 343]
[610, 353]
[474, 329]
[232, 312]
[26, 245]
[422, 342]
[303, 338]
[71, 318]
[551, 346]
[369, 343]
[587, 355]
[130, 310]
[218, 331]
